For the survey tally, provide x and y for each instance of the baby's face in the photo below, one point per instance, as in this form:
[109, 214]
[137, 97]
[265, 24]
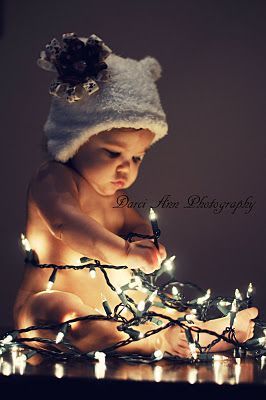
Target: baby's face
[111, 156]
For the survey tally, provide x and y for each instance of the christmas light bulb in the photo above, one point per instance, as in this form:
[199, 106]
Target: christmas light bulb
[175, 291]
[49, 285]
[121, 295]
[238, 295]
[224, 303]
[61, 334]
[7, 339]
[201, 300]
[59, 370]
[168, 264]
[25, 242]
[152, 296]
[193, 350]
[141, 306]
[158, 354]
[92, 272]
[190, 317]
[234, 306]
[152, 215]
[250, 290]
[157, 373]
[100, 356]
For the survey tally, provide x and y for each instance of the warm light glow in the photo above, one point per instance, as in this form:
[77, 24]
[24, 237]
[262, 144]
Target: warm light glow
[250, 289]
[25, 242]
[234, 307]
[141, 306]
[59, 370]
[168, 264]
[193, 349]
[204, 298]
[158, 354]
[224, 303]
[152, 296]
[238, 295]
[92, 273]
[49, 285]
[153, 216]
[59, 337]
[7, 339]
[192, 375]
[100, 356]
[175, 291]
[217, 357]
[157, 373]
[190, 317]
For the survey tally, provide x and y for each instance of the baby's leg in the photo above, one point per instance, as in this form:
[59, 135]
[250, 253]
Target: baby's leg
[243, 326]
[54, 307]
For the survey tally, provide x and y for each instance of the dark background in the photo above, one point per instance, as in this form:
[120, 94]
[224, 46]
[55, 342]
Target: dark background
[213, 56]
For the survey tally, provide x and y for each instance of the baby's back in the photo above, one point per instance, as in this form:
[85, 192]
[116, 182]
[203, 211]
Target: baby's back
[50, 249]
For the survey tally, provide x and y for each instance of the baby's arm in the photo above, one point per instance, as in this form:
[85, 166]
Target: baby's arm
[56, 197]
[134, 222]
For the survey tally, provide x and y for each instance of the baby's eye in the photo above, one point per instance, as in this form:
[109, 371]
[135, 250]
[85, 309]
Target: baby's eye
[137, 159]
[112, 154]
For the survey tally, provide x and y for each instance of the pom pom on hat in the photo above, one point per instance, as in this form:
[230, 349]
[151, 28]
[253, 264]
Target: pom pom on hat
[124, 96]
[152, 66]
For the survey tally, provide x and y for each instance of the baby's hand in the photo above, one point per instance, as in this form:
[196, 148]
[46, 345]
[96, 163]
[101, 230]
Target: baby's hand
[144, 255]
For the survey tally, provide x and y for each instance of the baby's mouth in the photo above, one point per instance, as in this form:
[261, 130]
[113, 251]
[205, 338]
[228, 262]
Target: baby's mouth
[119, 183]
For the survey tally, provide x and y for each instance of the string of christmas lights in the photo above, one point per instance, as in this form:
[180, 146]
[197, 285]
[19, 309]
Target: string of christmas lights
[204, 307]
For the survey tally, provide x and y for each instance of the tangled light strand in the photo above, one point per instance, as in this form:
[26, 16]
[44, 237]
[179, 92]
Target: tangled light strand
[204, 307]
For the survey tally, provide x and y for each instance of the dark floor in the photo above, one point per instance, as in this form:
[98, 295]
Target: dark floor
[218, 378]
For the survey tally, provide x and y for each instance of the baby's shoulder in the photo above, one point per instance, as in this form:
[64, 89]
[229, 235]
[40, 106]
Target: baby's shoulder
[52, 170]
[52, 176]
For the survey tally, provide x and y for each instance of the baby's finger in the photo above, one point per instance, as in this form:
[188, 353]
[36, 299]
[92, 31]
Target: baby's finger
[162, 252]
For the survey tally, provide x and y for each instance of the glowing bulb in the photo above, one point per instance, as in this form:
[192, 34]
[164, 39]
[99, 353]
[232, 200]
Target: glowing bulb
[49, 285]
[250, 290]
[152, 296]
[25, 242]
[7, 339]
[158, 354]
[217, 357]
[224, 303]
[100, 356]
[175, 291]
[92, 273]
[141, 306]
[234, 307]
[192, 375]
[59, 370]
[169, 263]
[238, 294]
[193, 349]
[157, 373]
[59, 337]
[153, 216]
[190, 317]
[204, 298]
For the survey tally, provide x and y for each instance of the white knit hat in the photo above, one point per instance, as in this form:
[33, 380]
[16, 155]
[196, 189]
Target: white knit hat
[126, 96]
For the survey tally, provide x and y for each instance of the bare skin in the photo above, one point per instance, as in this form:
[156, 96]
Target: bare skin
[71, 214]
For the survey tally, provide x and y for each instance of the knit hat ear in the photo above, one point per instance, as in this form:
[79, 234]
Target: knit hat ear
[153, 66]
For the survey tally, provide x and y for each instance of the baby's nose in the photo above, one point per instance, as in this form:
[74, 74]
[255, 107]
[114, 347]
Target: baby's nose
[125, 165]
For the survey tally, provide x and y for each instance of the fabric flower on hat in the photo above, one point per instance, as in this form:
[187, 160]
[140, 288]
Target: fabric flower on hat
[79, 63]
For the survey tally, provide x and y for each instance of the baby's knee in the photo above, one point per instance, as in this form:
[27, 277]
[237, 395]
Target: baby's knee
[49, 307]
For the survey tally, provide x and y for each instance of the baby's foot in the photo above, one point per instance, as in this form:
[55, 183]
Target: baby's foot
[243, 325]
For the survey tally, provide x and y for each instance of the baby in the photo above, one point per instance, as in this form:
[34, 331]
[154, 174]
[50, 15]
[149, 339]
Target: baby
[96, 146]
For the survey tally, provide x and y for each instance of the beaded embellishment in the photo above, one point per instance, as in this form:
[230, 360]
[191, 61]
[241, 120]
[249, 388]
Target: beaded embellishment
[79, 64]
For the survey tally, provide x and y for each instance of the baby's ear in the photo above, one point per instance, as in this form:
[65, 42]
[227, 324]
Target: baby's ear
[153, 66]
